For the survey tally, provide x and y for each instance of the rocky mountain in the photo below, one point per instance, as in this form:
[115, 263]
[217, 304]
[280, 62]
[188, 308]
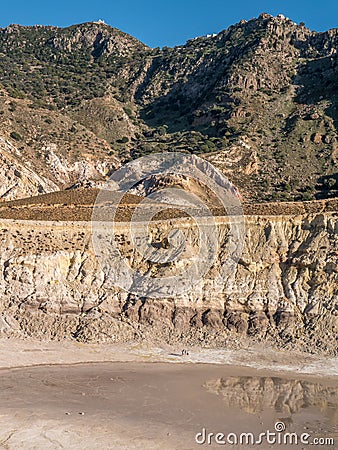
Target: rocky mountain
[258, 100]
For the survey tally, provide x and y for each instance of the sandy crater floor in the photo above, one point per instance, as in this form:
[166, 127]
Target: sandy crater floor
[144, 398]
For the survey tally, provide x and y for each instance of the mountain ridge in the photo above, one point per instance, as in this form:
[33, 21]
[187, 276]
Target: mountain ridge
[259, 100]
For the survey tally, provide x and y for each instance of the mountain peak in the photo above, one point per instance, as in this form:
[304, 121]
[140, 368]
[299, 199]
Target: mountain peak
[257, 99]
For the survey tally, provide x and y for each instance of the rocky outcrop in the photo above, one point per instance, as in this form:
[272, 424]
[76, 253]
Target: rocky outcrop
[284, 288]
[18, 179]
[44, 152]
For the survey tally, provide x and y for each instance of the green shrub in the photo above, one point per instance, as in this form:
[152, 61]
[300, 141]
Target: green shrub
[16, 136]
[128, 111]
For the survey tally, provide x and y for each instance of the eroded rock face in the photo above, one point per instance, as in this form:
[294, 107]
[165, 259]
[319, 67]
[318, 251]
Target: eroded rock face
[16, 178]
[19, 178]
[284, 288]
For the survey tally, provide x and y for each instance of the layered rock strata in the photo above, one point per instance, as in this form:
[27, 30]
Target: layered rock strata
[284, 288]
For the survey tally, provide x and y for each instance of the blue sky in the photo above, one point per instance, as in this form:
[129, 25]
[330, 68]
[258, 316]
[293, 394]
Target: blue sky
[159, 23]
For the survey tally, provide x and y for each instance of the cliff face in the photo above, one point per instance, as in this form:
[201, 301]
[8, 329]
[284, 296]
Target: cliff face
[285, 287]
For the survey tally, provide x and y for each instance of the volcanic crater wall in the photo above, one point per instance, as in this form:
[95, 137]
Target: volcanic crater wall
[284, 288]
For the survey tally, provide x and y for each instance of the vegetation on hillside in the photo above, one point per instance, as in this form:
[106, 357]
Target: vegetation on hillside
[259, 99]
